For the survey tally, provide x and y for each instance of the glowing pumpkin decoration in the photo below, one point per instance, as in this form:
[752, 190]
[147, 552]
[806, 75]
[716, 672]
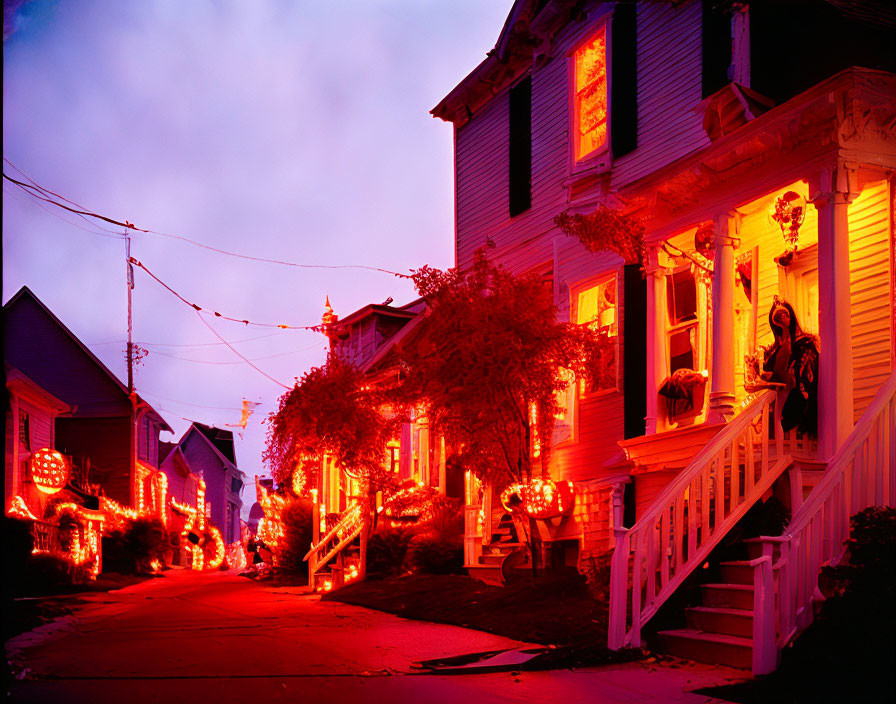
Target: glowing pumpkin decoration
[49, 470]
[541, 498]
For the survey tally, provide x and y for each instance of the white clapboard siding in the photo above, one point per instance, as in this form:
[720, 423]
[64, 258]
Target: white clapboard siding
[869, 267]
[40, 423]
[669, 89]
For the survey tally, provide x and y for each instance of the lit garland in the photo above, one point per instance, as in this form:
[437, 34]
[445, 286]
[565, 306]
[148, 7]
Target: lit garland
[541, 498]
[19, 509]
[218, 557]
[298, 482]
[270, 526]
[90, 523]
[162, 478]
[49, 470]
[236, 556]
[183, 509]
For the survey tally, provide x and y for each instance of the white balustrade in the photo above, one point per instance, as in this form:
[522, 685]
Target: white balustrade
[690, 516]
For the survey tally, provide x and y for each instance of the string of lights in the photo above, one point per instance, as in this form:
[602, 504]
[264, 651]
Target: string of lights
[198, 308]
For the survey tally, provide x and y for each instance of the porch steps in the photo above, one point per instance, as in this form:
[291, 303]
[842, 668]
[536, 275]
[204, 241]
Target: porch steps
[720, 631]
[710, 648]
[497, 560]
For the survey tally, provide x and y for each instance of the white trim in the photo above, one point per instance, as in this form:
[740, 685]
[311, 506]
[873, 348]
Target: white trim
[589, 164]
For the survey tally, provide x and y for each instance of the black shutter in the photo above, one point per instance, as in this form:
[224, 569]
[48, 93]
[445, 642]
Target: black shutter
[716, 45]
[634, 364]
[624, 81]
[520, 162]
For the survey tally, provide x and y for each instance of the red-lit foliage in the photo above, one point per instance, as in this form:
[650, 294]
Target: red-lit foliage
[489, 350]
[606, 229]
[331, 410]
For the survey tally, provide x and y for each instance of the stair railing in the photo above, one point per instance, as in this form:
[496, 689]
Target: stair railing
[862, 473]
[347, 528]
[689, 517]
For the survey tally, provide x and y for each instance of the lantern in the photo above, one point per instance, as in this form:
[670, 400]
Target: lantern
[49, 470]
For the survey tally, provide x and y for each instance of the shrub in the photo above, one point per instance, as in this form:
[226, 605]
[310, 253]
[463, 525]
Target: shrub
[17, 545]
[298, 532]
[431, 553]
[132, 549]
[49, 574]
[445, 516]
[386, 550]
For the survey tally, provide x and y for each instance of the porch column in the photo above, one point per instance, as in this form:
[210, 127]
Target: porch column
[721, 394]
[832, 192]
[442, 470]
[656, 338]
[423, 452]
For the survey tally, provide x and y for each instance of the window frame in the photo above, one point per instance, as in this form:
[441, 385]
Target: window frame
[590, 162]
[699, 321]
[575, 292]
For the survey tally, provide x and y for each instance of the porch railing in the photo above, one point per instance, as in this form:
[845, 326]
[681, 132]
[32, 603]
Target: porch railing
[861, 474]
[690, 517]
[347, 528]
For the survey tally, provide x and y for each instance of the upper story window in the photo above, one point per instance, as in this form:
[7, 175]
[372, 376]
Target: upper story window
[24, 430]
[590, 110]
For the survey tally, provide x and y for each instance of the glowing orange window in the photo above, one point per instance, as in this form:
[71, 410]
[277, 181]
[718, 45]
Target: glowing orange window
[591, 96]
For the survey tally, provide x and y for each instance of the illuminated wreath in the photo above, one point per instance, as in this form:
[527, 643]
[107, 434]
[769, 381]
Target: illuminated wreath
[205, 543]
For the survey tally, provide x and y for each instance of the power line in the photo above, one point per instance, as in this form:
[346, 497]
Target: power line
[37, 191]
[237, 353]
[187, 403]
[174, 344]
[254, 359]
[198, 308]
[69, 222]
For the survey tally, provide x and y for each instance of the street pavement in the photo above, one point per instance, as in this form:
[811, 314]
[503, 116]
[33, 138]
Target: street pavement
[202, 638]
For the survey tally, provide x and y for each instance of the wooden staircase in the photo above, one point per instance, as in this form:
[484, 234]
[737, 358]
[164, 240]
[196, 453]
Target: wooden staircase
[502, 555]
[333, 549]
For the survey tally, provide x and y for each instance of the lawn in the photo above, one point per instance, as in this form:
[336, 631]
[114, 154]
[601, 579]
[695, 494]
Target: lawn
[555, 609]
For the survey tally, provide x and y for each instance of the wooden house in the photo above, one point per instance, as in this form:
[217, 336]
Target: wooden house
[208, 454]
[186, 490]
[755, 144]
[110, 435]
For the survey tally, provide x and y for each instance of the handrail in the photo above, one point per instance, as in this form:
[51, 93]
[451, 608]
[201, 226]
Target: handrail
[721, 440]
[344, 520]
[689, 518]
[842, 457]
[862, 473]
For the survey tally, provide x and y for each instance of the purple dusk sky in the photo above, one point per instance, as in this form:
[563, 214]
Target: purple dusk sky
[288, 130]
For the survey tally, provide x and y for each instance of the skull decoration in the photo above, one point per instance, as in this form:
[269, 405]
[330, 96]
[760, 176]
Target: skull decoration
[790, 211]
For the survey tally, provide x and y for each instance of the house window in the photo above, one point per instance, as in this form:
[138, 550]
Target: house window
[683, 330]
[520, 147]
[229, 529]
[24, 430]
[394, 457]
[596, 307]
[590, 123]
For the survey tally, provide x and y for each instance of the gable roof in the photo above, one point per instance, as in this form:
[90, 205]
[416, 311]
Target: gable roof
[526, 33]
[26, 294]
[217, 440]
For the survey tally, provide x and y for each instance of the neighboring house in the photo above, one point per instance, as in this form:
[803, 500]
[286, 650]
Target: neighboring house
[209, 454]
[760, 164]
[111, 436]
[184, 491]
[368, 339]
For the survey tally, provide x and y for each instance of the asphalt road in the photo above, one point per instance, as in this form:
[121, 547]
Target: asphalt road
[212, 637]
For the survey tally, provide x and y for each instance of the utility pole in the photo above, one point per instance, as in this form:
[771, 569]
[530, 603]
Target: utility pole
[130, 277]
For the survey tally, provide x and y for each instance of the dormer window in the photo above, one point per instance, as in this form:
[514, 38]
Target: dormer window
[590, 117]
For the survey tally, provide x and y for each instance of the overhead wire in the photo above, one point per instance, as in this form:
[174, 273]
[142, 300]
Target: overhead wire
[175, 344]
[37, 191]
[198, 308]
[237, 352]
